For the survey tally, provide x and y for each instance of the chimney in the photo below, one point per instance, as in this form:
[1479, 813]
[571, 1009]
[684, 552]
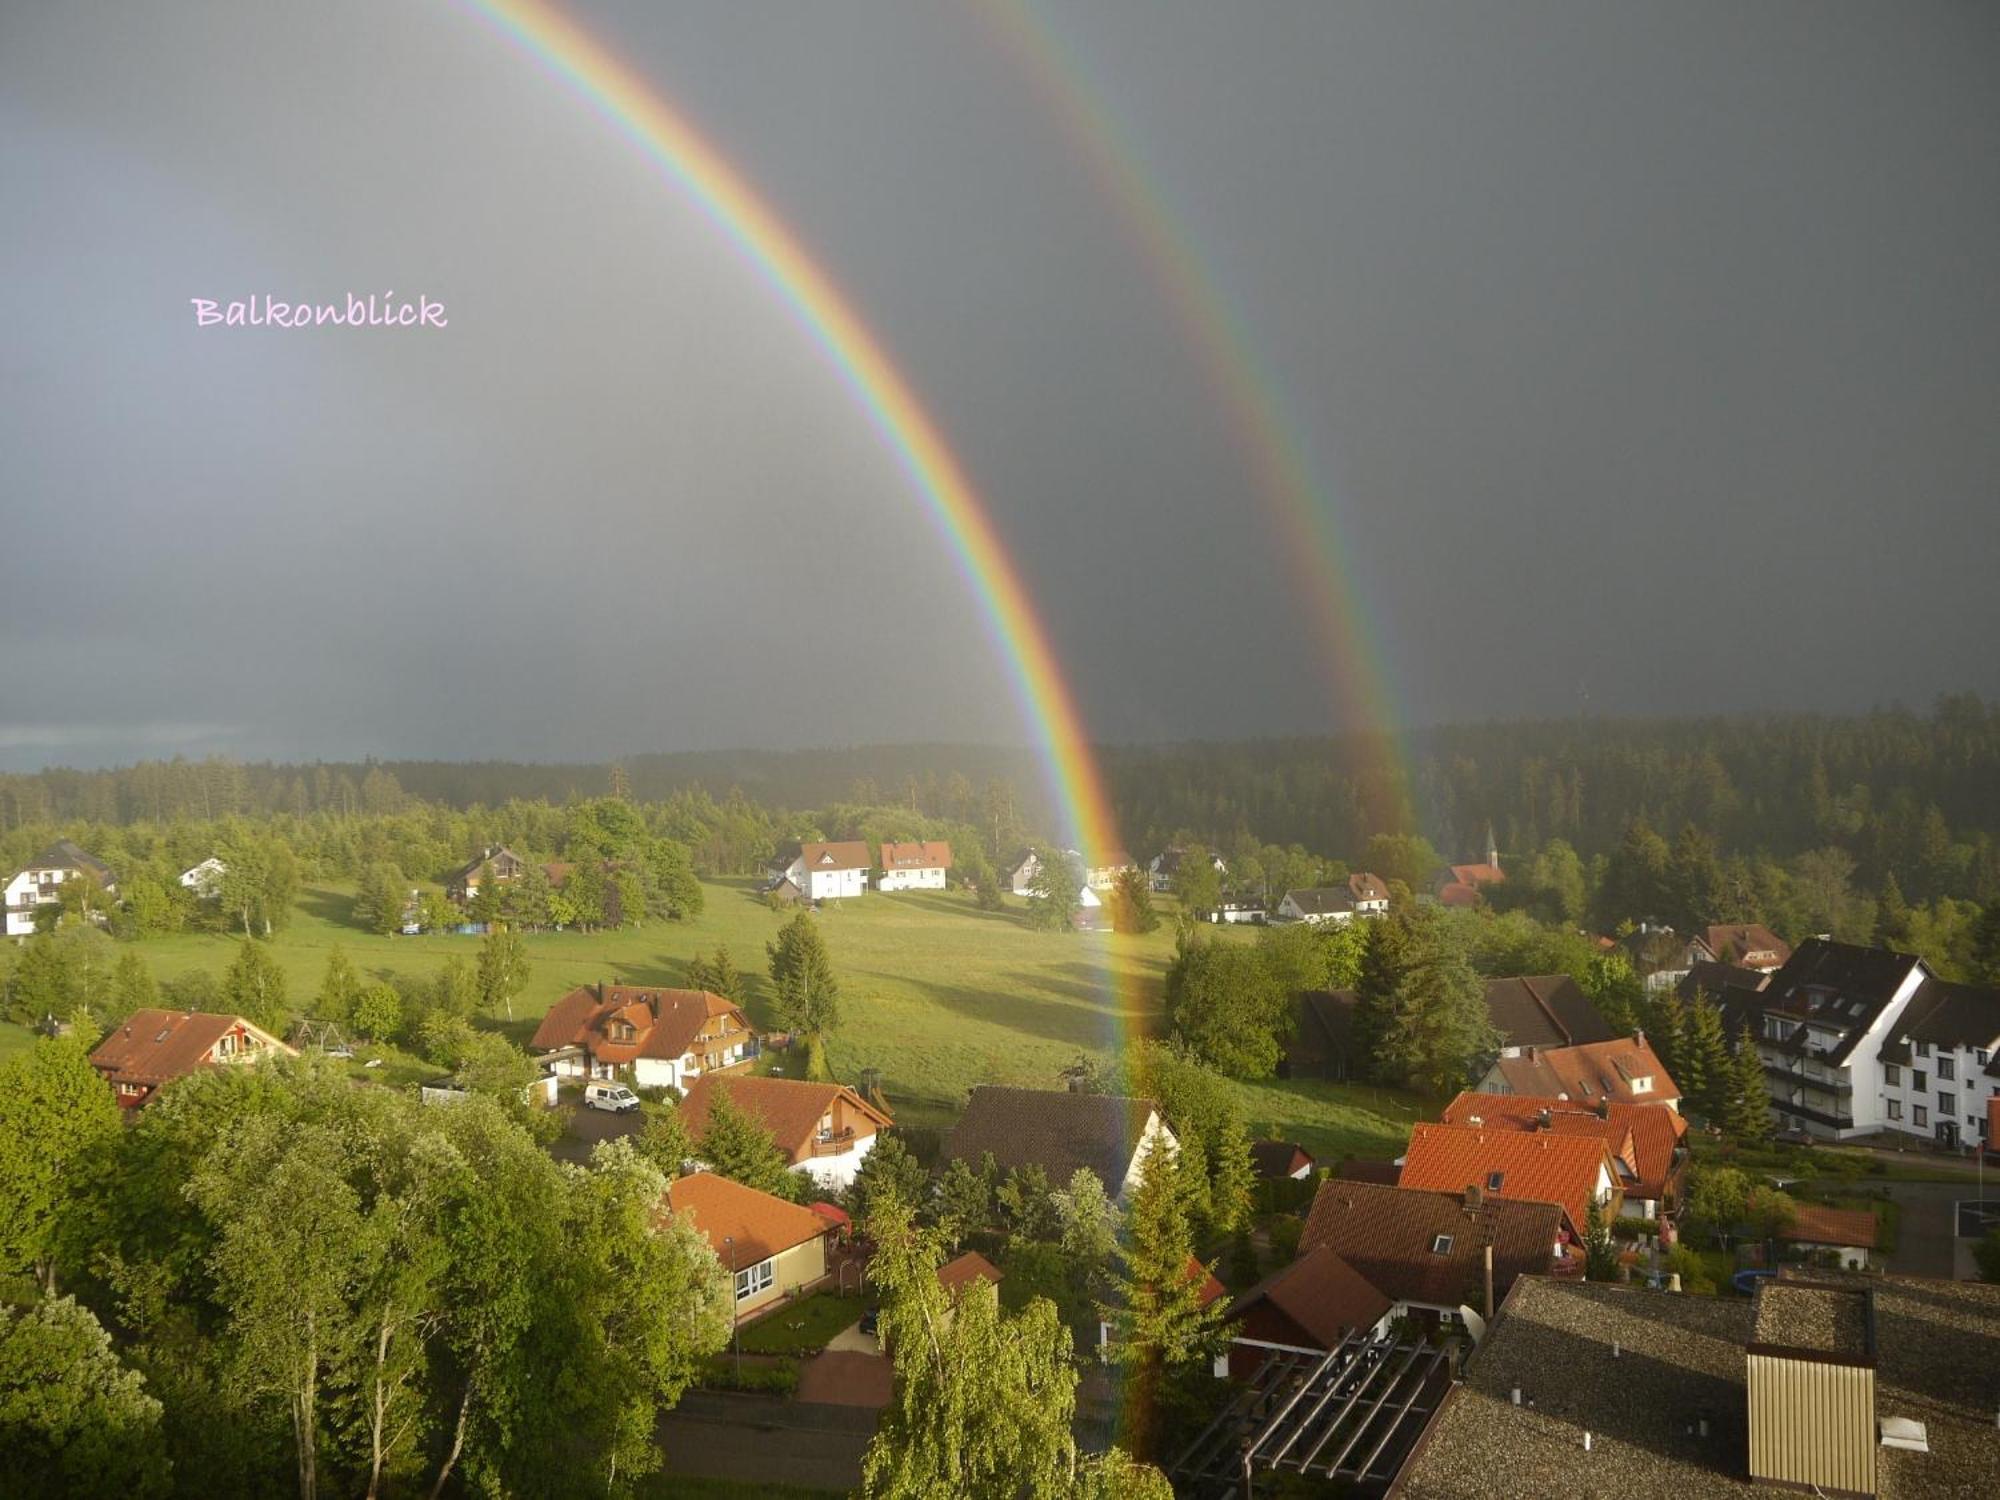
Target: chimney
[1638, 1036]
[1543, 1119]
[1472, 1197]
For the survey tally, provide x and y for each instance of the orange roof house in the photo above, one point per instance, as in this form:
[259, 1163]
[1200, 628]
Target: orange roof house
[824, 1129]
[771, 1247]
[666, 1037]
[1748, 945]
[914, 866]
[956, 1275]
[1567, 1170]
[1625, 1070]
[1644, 1139]
[1307, 1306]
[154, 1047]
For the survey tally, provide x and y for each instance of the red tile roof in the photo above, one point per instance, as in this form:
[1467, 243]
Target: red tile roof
[1322, 1294]
[1654, 1130]
[665, 1022]
[932, 855]
[760, 1225]
[1390, 1234]
[955, 1275]
[1591, 1071]
[153, 1047]
[1749, 944]
[1816, 1224]
[1542, 1167]
[1478, 875]
[789, 1108]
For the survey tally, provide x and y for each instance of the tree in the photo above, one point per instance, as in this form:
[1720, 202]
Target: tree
[503, 971]
[1600, 1256]
[484, 906]
[676, 892]
[808, 994]
[1161, 1330]
[1986, 1255]
[1986, 945]
[1055, 894]
[339, 989]
[1746, 1108]
[378, 900]
[737, 1146]
[1638, 880]
[1025, 1204]
[1438, 1022]
[378, 1012]
[1088, 1219]
[1206, 1117]
[455, 991]
[73, 1420]
[1132, 903]
[1197, 885]
[964, 1201]
[664, 1141]
[1223, 1002]
[54, 1113]
[133, 988]
[526, 901]
[254, 987]
[724, 978]
[1718, 1200]
[887, 1169]
[1705, 1073]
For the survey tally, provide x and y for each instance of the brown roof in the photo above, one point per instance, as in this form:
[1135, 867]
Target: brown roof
[1278, 1158]
[846, 854]
[789, 1108]
[1322, 1294]
[1544, 1010]
[1590, 1072]
[156, 1046]
[1364, 886]
[1654, 1130]
[1369, 1169]
[665, 1022]
[1478, 875]
[1816, 1224]
[1750, 944]
[921, 855]
[760, 1224]
[1054, 1129]
[955, 1275]
[1387, 1234]
[1542, 1167]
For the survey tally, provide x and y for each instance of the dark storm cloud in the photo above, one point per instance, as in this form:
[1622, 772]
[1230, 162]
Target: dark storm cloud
[1650, 354]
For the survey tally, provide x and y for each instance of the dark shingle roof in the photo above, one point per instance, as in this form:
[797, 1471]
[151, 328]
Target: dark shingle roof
[1054, 1129]
[1863, 979]
[1544, 1010]
[1320, 901]
[1387, 1234]
[1320, 1293]
[1946, 1014]
[65, 855]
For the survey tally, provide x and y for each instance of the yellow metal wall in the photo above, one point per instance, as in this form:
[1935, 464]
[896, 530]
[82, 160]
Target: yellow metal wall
[1812, 1423]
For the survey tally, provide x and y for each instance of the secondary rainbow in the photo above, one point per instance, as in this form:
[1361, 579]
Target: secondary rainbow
[1301, 509]
[638, 111]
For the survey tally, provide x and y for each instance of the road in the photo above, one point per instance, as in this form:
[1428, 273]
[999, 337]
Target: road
[766, 1440]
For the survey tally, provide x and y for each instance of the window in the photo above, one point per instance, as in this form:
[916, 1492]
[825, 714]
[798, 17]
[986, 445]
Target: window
[1923, 1049]
[1982, 1056]
[1892, 1075]
[757, 1279]
[1946, 1103]
[1919, 1079]
[1947, 1069]
[1923, 1117]
[1895, 1109]
[1493, 1181]
[1441, 1245]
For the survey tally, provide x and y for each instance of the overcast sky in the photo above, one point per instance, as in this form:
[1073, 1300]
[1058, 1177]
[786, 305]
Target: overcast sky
[1649, 357]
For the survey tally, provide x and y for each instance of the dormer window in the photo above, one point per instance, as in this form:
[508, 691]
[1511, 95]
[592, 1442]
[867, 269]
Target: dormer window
[1643, 1085]
[1493, 1181]
[1441, 1245]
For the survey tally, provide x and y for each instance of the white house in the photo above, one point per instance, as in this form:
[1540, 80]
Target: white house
[667, 1038]
[920, 866]
[1940, 1063]
[1163, 866]
[1059, 1131]
[1239, 909]
[1317, 904]
[41, 881]
[824, 871]
[1023, 870]
[825, 1130]
[205, 879]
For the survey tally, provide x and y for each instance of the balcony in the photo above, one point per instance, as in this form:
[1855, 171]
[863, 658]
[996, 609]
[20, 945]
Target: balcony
[833, 1142]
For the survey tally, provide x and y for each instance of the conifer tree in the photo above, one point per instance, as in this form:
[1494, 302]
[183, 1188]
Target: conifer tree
[1746, 1117]
[724, 978]
[808, 993]
[1704, 1073]
[339, 988]
[738, 1147]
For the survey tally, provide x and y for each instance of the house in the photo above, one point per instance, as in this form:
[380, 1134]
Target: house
[1623, 1070]
[1647, 1141]
[463, 883]
[956, 1275]
[666, 1037]
[914, 867]
[1543, 1010]
[154, 1047]
[1307, 1307]
[1317, 904]
[40, 882]
[1461, 885]
[1060, 1131]
[1826, 1026]
[1322, 1042]
[1026, 867]
[1571, 1171]
[824, 871]
[1239, 909]
[204, 879]
[824, 1129]
[1102, 872]
[773, 1249]
[1426, 1251]
[1690, 1397]
[1369, 893]
[1661, 957]
[1749, 945]
[1276, 1161]
[1732, 989]
[1943, 1053]
[1843, 1235]
[1162, 868]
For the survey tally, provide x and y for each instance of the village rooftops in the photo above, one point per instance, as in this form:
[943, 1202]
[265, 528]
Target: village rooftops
[846, 854]
[742, 1225]
[791, 1109]
[1654, 1131]
[1817, 1224]
[1625, 1070]
[956, 1275]
[1948, 1015]
[1427, 1247]
[153, 1047]
[1320, 1294]
[1751, 945]
[1659, 1380]
[1320, 901]
[1502, 1164]
[65, 855]
[932, 855]
[1842, 987]
[620, 1023]
[1053, 1129]
[1544, 1010]
[1836, 1322]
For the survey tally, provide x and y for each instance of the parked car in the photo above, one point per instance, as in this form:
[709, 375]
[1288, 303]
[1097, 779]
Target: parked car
[614, 1097]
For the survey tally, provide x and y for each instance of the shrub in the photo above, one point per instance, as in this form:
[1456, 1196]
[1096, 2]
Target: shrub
[765, 1377]
[1285, 1234]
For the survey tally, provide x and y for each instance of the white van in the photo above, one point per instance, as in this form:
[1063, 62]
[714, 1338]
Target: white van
[612, 1096]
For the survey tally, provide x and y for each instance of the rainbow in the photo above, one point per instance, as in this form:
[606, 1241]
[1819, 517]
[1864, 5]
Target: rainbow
[668, 139]
[1308, 533]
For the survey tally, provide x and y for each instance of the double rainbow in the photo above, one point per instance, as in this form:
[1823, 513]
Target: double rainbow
[678, 149]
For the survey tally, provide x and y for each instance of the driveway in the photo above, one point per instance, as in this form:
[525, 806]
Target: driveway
[589, 1126]
[1925, 1243]
[847, 1377]
[766, 1440]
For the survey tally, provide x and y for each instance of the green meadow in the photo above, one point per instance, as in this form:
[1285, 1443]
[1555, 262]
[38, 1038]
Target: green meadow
[937, 994]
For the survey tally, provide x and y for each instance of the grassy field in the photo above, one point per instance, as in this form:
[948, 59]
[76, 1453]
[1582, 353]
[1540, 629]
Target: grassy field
[937, 994]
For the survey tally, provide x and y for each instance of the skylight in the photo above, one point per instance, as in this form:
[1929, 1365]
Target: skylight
[1441, 1245]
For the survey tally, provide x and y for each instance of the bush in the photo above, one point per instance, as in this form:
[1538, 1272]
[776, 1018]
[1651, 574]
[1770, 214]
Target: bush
[1285, 1234]
[1697, 1273]
[763, 1377]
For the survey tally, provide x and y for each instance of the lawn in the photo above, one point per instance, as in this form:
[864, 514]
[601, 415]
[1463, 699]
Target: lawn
[937, 994]
[14, 1039]
[801, 1327]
